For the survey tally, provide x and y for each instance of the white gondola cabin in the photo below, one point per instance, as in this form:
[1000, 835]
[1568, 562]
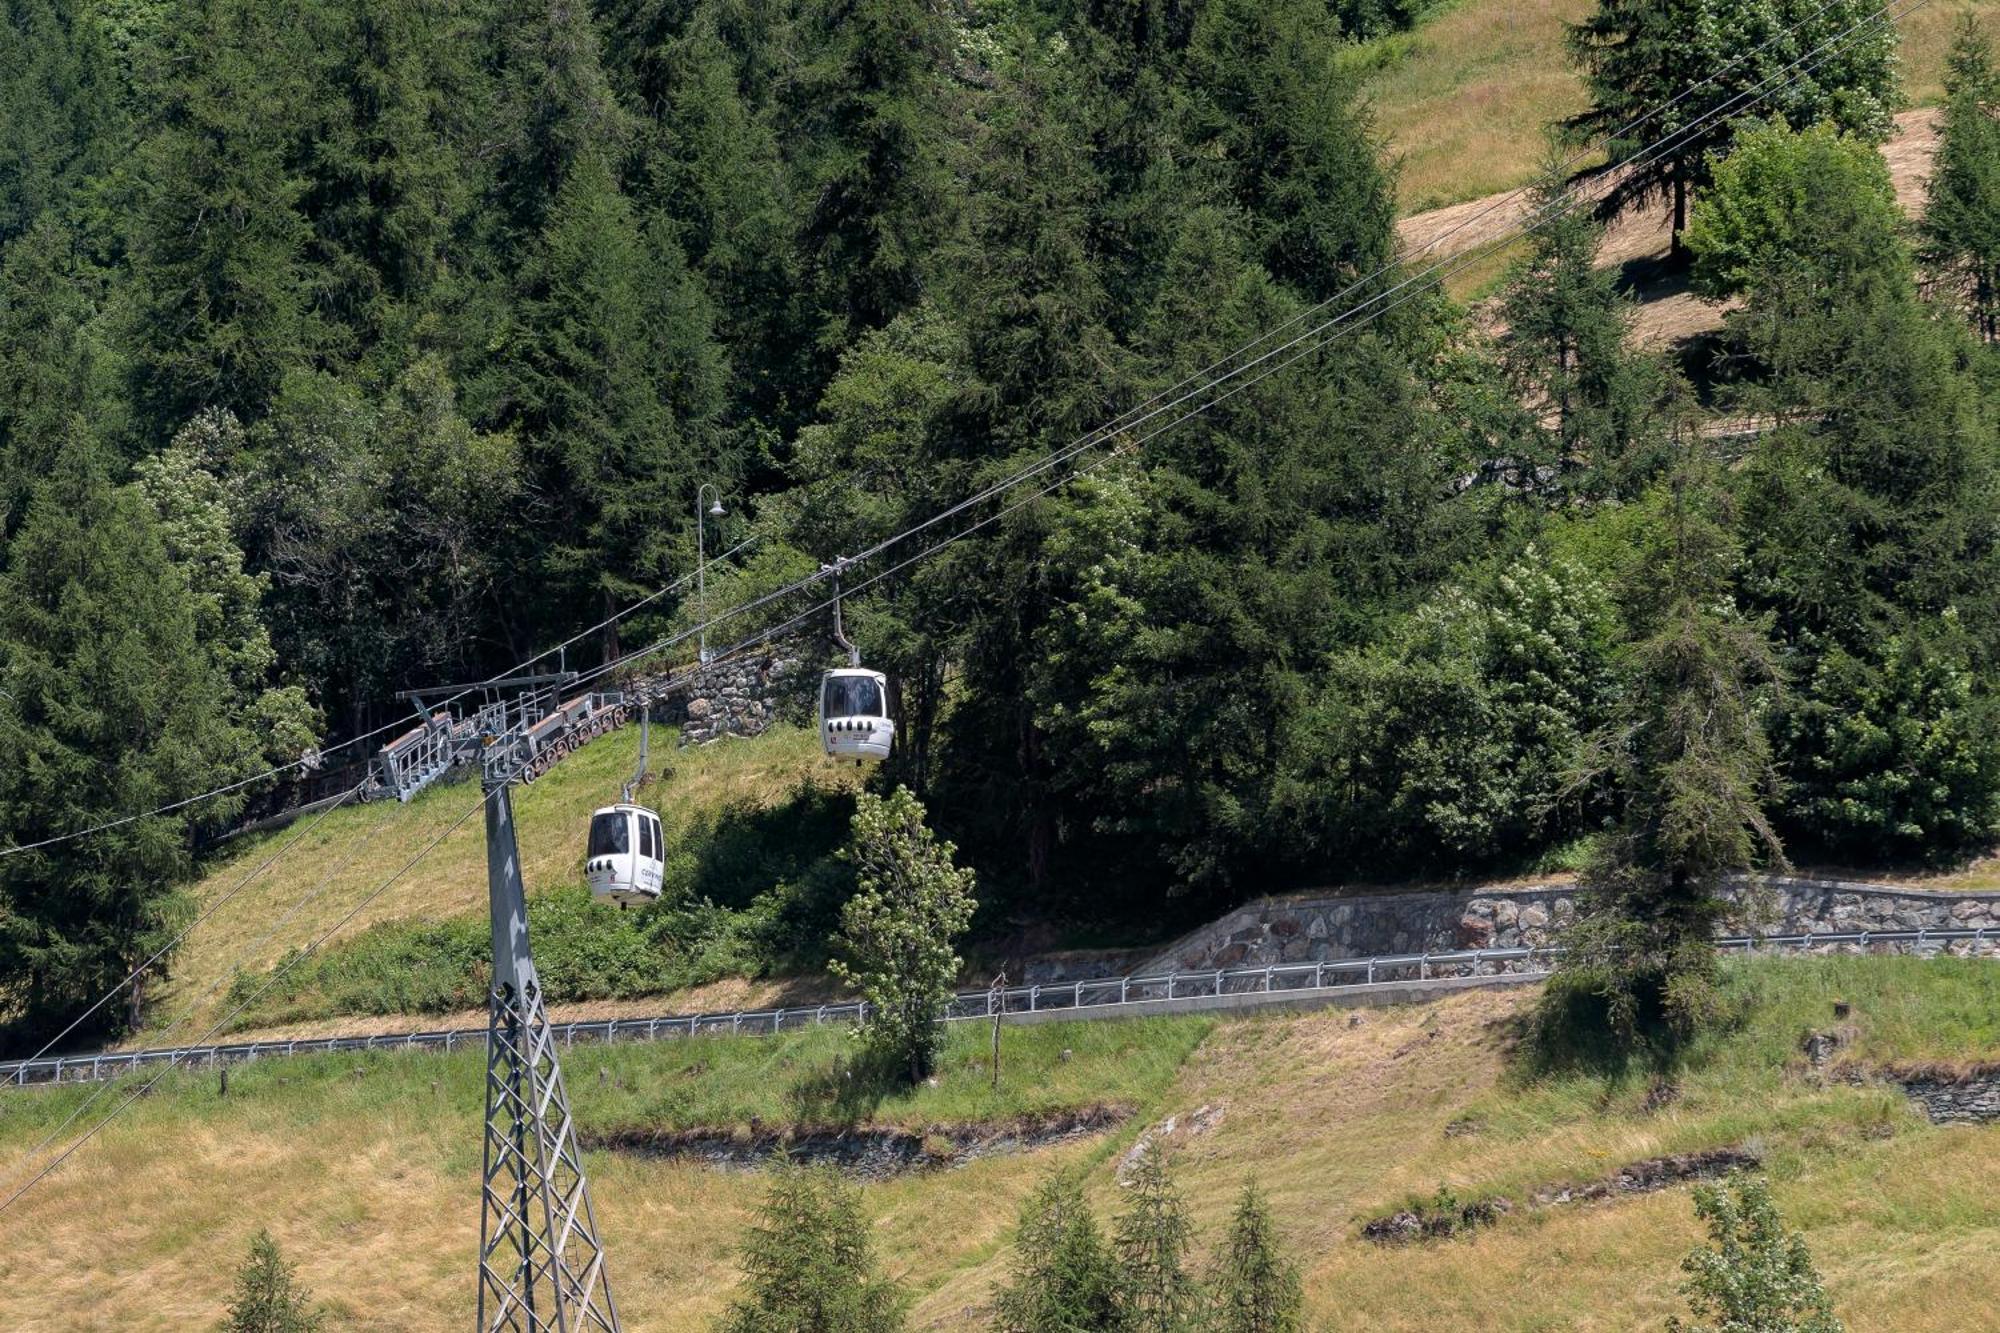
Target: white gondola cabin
[854, 721]
[627, 855]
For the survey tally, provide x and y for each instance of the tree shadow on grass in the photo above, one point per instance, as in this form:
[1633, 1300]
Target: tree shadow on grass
[848, 1091]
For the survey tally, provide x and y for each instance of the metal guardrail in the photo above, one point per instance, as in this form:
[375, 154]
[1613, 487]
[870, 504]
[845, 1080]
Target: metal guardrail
[1105, 994]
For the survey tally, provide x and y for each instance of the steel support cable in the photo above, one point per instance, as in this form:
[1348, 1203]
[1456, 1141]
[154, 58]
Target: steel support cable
[416, 717]
[1302, 346]
[1124, 422]
[249, 950]
[1139, 414]
[291, 962]
[206, 913]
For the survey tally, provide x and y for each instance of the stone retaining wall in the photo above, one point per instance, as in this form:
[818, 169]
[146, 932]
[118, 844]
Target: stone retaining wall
[744, 695]
[1320, 927]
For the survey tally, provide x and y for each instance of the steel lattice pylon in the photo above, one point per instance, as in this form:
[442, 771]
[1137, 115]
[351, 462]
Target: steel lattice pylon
[540, 1264]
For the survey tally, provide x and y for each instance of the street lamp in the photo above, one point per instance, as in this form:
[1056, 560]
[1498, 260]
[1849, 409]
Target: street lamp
[701, 558]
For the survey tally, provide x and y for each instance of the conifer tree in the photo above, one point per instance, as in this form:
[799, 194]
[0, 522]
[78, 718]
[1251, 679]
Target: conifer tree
[58, 364]
[868, 114]
[618, 383]
[899, 929]
[1961, 226]
[221, 287]
[114, 706]
[1562, 348]
[1152, 1242]
[1270, 95]
[61, 124]
[1065, 1279]
[269, 1298]
[1688, 750]
[808, 1264]
[1254, 1287]
[1803, 60]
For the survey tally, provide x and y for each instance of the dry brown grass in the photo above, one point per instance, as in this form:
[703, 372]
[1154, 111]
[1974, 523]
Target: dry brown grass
[1338, 1120]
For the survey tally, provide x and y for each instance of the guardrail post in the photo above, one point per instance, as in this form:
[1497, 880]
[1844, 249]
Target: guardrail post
[1424, 966]
[1124, 989]
[1267, 981]
[1170, 985]
[1218, 981]
[777, 1017]
[1319, 975]
[1034, 994]
[1371, 971]
[1076, 996]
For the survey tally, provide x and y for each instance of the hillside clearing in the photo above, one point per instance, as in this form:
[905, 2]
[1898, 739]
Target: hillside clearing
[366, 1168]
[1465, 101]
[354, 850]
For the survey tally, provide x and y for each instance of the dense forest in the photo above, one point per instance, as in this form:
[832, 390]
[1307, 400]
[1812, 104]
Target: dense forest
[353, 345]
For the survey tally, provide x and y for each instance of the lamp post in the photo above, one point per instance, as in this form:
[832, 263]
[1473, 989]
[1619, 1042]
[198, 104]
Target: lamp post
[701, 558]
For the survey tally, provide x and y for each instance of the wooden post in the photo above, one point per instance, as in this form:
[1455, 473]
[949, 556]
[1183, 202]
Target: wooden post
[1000, 993]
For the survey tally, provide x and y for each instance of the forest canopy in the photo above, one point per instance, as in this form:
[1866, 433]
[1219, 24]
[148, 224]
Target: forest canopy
[349, 346]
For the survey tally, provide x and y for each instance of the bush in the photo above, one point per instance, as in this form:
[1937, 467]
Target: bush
[1753, 1276]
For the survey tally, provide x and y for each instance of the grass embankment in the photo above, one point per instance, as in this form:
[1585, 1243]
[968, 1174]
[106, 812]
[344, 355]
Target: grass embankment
[369, 1179]
[1464, 100]
[338, 861]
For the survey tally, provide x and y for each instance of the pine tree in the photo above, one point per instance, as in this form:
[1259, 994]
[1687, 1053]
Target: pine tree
[1800, 59]
[868, 114]
[1152, 1243]
[114, 706]
[1753, 1275]
[61, 124]
[1688, 750]
[1961, 226]
[1064, 1279]
[808, 1265]
[899, 930]
[1563, 351]
[269, 1298]
[1255, 1287]
[221, 287]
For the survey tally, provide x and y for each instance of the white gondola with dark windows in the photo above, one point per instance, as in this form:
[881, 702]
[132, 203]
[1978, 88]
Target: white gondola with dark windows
[626, 859]
[627, 855]
[854, 721]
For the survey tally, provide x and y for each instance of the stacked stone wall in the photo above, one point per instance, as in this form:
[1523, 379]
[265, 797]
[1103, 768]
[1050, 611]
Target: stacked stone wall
[1322, 927]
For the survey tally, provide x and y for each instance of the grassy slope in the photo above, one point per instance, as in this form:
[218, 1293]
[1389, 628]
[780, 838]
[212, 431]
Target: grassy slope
[1464, 100]
[354, 850]
[368, 1179]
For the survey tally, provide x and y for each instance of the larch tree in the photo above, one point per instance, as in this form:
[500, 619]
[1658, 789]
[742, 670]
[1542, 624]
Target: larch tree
[1687, 749]
[1065, 1278]
[1254, 1286]
[1563, 349]
[808, 1263]
[1961, 224]
[269, 1297]
[1152, 1242]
